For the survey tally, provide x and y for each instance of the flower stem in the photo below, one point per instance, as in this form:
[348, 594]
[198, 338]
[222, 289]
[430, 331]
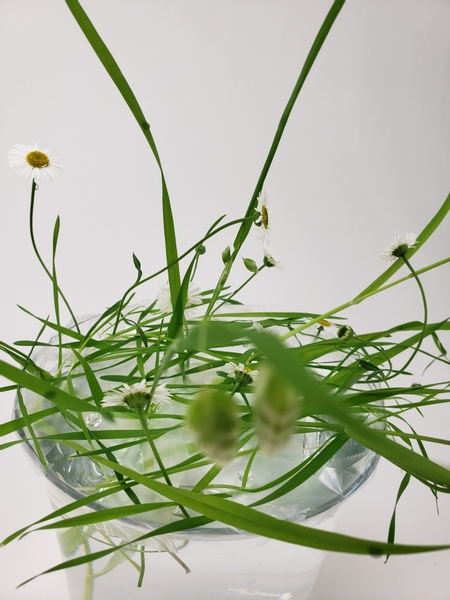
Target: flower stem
[38, 256]
[237, 290]
[425, 315]
[143, 420]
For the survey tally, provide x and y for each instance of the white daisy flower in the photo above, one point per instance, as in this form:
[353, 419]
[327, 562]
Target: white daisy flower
[164, 303]
[137, 396]
[240, 373]
[263, 225]
[270, 260]
[33, 162]
[399, 246]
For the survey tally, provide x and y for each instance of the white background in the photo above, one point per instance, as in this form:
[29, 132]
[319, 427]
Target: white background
[365, 157]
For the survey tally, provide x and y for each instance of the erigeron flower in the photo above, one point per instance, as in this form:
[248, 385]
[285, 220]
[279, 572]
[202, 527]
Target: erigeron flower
[164, 303]
[33, 162]
[240, 373]
[137, 396]
[399, 246]
[263, 224]
[270, 260]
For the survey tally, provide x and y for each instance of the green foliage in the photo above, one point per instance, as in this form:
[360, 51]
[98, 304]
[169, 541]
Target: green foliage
[322, 396]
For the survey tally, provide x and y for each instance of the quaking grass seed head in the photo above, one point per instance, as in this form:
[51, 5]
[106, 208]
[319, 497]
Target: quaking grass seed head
[276, 409]
[212, 420]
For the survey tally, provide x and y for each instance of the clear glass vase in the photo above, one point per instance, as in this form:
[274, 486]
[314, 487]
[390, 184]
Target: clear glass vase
[213, 562]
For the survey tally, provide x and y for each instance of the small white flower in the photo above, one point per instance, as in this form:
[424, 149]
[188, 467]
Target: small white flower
[164, 303]
[33, 162]
[263, 225]
[137, 396]
[399, 246]
[160, 395]
[270, 260]
[240, 373]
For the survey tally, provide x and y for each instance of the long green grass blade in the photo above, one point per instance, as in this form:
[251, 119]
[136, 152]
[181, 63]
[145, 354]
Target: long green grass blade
[58, 397]
[125, 90]
[186, 524]
[248, 519]
[18, 424]
[310, 59]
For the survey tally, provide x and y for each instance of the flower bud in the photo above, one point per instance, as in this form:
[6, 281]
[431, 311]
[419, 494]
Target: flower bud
[276, 410]
[226, 255]
[345, 332]
[250, 265]
[213, 422]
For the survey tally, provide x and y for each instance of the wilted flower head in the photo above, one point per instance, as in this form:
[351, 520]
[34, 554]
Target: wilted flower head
[137, 396]
[33, 162]
[164, 302]
[213, 422]
[399, 246]
[240, 373]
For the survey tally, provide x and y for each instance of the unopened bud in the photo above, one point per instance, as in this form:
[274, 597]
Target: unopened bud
[250, 265]
[276, 410]
[226, 254]
[213, 422]
[345, 332]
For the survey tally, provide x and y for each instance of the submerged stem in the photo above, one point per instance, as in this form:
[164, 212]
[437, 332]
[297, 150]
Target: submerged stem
[148, 435]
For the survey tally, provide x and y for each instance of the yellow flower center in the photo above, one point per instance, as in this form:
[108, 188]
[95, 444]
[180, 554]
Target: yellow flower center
[265, 216]
[324, 323]
[37, 159]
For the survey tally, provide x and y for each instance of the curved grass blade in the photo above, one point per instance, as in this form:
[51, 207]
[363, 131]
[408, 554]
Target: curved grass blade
[118, 78]
[250, 520]
[61, 399]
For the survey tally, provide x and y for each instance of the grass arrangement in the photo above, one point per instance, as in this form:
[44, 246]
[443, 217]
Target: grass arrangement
[192, 385]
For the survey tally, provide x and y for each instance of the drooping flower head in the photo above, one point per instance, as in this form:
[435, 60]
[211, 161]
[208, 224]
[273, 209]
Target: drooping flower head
[326, 329]
[240, 373]
[164, 302]
[270, 260]
[137, 397]
[33, 162]
[399, 246]
[263, 223]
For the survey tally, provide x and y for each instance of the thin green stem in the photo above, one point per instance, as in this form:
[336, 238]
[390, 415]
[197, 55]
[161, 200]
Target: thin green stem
[143, 419]
[142, 569]
[38, 256]
[193, 248]
[425, 316]
[361, 297]
[237, 290]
